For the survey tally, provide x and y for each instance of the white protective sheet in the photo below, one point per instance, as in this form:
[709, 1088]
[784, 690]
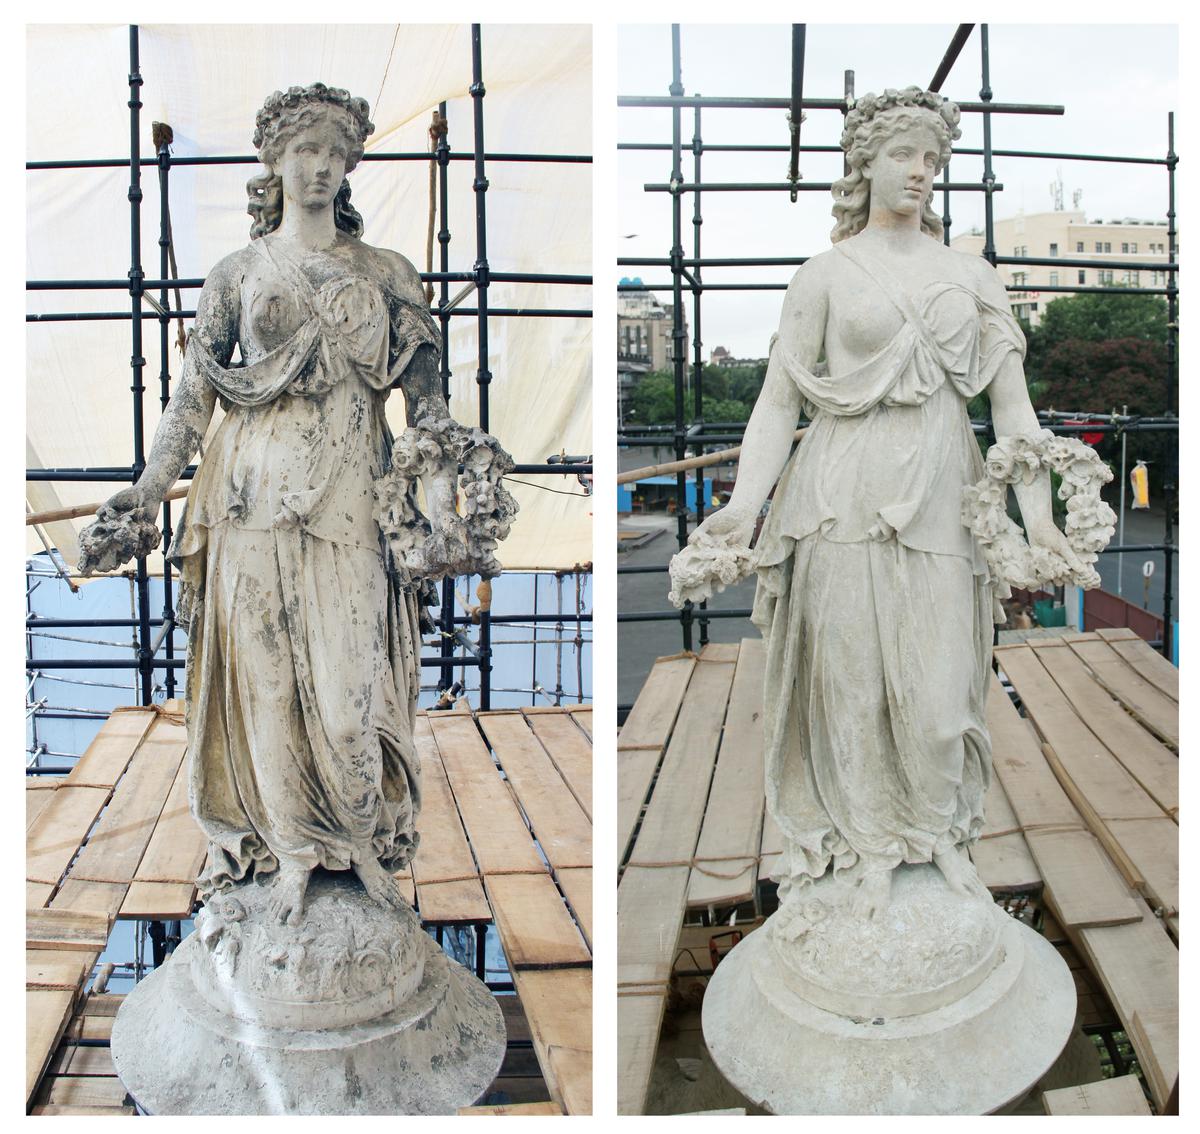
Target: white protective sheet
[207, 82]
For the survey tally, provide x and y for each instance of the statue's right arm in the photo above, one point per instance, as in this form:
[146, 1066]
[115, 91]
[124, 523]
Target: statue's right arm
[772, 425]
[186, 418]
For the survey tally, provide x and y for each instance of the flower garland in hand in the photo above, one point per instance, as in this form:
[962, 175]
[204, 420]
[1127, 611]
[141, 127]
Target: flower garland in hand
[1090, 522]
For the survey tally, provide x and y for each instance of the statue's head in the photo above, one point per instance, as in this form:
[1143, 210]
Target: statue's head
[287, 115]
[871, 122]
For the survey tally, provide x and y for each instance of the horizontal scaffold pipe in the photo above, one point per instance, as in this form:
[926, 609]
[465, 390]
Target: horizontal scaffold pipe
[1061, 262]
[963, 151]
[514, 312]
[675, 615]
[838, 104]
[426, 277]
[37, 665]
[251, 159]
[807, 186]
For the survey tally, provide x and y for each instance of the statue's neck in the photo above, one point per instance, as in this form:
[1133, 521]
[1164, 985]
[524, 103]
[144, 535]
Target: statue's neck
[310, 229]
[902, 232]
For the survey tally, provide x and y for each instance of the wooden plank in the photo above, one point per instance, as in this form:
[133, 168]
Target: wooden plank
[103, 898]
[1084, 885]
[37, 895]
[498, 835]
[46, 1014]
[572, 1071]
[116, 846]
[1147, 661]
[64, 969]
[650, 905]
[570, 751]
[672, 822]
[732, 830]
[1035, 795]
[1165, 1033]
[582, 716]
[177, 847]
[71, 1059]
[65, 929]
[90, 1028]
[1123, 1095]
[448, 885]
[108, 1111]
[1154, 766]
[1004, 862]
[720, 652]
[1139, 968]
[85, 1090]
[639, 1020]
[39, 790]
[642, 740]
[1111, 791]
[1152, 845]
[576, 885]
[999, 818]
[56, 834]
[1153, 708]
[559, 824]
[161, 901]
[112, 748]
[526, 1108]
[558, 1005]
[534, 924]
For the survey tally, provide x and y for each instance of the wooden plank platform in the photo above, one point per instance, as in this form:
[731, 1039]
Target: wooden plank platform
[506, 838]
[1082, 812]
[1122, 1095]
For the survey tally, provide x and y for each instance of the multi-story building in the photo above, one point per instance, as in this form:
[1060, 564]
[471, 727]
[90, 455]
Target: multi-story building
[644, 343]
[721, 357]
[1070, 236]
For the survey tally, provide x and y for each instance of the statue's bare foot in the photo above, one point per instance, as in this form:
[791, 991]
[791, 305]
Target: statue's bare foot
[960, 874]
[873, 895]
[287, 893]
[378, 883]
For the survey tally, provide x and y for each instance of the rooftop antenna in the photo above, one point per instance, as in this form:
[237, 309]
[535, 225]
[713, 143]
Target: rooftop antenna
[1056, 191]
[1076, 197]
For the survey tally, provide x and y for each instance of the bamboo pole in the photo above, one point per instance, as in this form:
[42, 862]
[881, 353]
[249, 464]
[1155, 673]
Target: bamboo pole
[176, 493]
[690, 463]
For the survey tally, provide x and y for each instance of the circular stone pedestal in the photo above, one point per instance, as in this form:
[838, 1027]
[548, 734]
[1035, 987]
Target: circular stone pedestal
[940, 1004]
[232, 1023]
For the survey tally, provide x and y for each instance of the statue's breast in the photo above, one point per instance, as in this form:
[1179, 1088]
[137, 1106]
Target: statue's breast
[274, 313]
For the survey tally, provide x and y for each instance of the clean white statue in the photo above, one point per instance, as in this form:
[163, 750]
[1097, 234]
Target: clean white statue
[888, 978]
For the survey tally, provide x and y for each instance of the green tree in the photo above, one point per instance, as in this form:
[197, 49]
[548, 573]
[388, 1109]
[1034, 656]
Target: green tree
[653, 399]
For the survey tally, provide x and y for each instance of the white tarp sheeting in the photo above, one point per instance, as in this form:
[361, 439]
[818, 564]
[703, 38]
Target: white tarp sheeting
[207, 82]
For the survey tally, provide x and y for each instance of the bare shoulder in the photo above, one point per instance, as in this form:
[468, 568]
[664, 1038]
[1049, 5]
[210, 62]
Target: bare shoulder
[229, 272]
[812, 280]
[976, 271]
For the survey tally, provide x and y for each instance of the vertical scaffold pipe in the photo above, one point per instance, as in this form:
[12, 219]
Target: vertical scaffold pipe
[163, 143]
[1172, 393]
[989, 176]
[442, 156]
[697, 343]
[137, 362]
[678, 334]
[483, 376]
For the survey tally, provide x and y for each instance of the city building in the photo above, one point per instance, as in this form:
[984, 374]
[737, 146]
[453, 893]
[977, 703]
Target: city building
[644, 343]
[721, 357]
[1067, 234]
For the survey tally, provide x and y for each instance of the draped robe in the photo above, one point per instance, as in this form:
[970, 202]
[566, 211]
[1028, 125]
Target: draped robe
[873, 597]
[303, 653]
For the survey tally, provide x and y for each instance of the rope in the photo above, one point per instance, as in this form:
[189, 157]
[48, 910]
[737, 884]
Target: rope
[694, 863]
[157, 710]
[437, 131]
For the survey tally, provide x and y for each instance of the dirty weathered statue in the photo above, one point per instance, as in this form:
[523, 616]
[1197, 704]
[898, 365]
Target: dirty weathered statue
[302, 553]
[879, 565]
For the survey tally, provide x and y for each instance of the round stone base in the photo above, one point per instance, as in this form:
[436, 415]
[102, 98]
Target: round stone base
[437, 1051]
[971, 1056]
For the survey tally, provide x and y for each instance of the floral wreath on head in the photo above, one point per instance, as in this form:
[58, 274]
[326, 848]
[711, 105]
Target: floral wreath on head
[1090, 522]
[869, 106]
[282, 105]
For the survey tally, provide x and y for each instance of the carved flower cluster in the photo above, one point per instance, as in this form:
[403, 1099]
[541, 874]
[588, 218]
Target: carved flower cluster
[116, 537]
[707, 566]
[1090, 522]
[866, 108]
[462, 544]
[282, 106]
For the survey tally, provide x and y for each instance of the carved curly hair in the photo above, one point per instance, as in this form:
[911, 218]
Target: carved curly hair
[284, 115]
[871, 121]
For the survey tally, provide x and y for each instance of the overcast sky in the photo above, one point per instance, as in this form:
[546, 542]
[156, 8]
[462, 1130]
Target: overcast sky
[1116, 83]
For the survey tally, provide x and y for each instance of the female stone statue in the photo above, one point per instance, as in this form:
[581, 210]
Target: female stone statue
[302, 671]
[874, 597]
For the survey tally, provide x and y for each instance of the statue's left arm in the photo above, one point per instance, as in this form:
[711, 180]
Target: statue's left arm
[420, 381]
[1013, 415]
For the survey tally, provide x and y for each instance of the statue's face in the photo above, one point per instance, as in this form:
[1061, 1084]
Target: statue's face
[902, 172]
[313, 165]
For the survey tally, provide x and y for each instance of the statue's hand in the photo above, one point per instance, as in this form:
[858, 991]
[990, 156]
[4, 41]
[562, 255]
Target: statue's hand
[124, 529]
[729, 525]
[717, 555]
[1049, 537]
